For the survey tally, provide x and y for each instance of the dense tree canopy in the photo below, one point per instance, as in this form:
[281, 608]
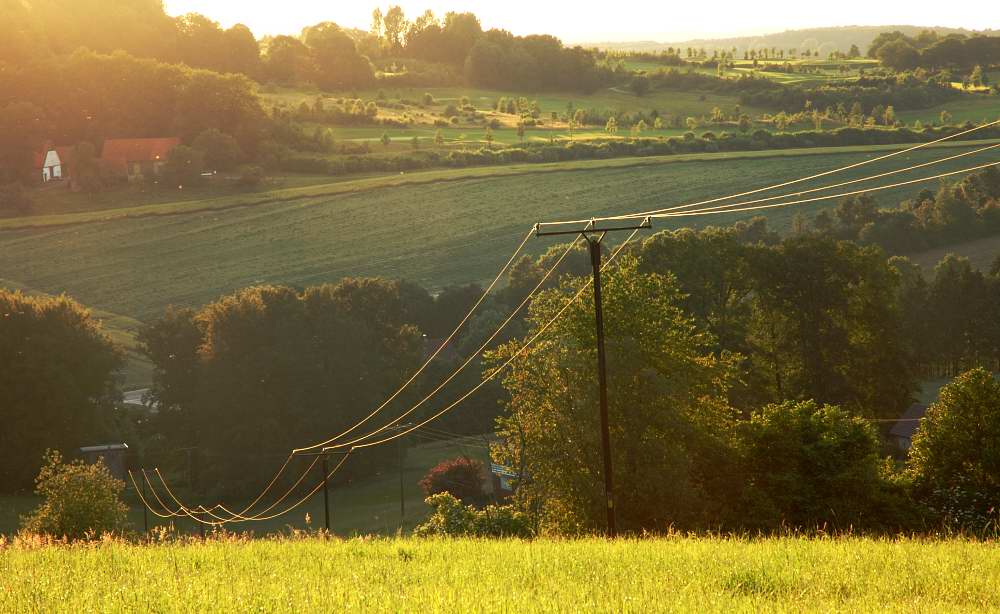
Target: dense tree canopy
[90, 97]
[955, 460]
[58, 381]
[269, 368]
[668, 409]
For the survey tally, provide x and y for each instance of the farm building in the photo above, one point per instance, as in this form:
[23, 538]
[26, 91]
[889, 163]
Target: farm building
[902, 432]
[114, 457]
[137, 159]
[52, 163]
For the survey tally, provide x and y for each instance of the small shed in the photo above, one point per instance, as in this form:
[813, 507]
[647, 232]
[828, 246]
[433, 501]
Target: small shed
[114, 455]
[901, 433]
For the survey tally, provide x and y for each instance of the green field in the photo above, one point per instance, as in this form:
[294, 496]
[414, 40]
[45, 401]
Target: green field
[972, 108]
[369, 506]
[666, 102]
[681, 574]
[434, 228]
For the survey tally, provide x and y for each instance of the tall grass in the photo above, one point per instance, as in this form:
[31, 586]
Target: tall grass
[407, 575]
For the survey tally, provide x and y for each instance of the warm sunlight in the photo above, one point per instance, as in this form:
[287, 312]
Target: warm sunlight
[501, 306]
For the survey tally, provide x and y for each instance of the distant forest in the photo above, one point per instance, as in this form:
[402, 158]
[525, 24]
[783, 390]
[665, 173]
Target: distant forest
[823, 40]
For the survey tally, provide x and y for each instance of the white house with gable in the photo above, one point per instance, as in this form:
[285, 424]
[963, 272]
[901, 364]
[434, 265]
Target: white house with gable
[52, 166]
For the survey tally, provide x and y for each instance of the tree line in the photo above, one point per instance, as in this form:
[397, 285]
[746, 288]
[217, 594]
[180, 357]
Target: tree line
[741, 379]
[744, 368]
[929, 50]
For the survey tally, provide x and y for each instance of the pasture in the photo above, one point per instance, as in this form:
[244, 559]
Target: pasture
[435, 228]
[368, 506]
[672, 574]
[435, 233]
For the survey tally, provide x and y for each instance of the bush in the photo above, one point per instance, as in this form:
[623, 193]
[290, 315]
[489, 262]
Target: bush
[450, 518]
[462, 477]
[81, 500]
[251, 177]
[221, 151]
[954, 459]
[184, 165]
[808, 466]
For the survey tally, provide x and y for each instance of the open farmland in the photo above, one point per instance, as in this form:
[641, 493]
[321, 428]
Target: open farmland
[434, 233]
[648, 575]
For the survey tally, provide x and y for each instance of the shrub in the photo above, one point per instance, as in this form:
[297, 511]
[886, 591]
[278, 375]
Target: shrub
[184, 165]
[251, 177]
[221, 151]
[462, 477]
[81, 500]
[808, 466]
[450, 518]
[954, 458]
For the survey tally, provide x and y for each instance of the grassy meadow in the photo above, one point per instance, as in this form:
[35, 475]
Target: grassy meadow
[679, 574]
[369, 506]
[434, 233]
[128, 259]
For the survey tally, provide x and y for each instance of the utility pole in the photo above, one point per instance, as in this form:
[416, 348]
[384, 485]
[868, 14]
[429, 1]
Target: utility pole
[326, 494]
[595, 236]
[145, 508]
[325, 468]
[402, 500]
[399, 462]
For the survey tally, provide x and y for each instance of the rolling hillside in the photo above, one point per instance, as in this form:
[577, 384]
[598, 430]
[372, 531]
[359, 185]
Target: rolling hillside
[434, 233]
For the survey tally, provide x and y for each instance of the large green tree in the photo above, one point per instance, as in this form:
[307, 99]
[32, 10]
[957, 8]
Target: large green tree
[955, 458]
[58, 390]
[668, 411]
[267, 369]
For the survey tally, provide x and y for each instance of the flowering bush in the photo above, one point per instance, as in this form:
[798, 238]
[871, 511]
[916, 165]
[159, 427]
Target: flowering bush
[81, 501]
[450, 518]
[462, 477]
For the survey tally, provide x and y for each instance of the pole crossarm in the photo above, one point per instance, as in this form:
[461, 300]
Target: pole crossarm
[324, 452]
[589, 227]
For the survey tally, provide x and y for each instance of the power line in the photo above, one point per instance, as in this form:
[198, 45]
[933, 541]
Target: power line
[187, 511]
[510, 360]
[843, 183]
[654, 212]
[399, 391]
[712, 211]
[469, 359]
[434, 355]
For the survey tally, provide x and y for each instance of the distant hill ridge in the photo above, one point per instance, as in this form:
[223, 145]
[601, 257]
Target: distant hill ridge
[824, 40]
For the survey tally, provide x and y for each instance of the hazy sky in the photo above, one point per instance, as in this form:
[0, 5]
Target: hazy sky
[629, 20]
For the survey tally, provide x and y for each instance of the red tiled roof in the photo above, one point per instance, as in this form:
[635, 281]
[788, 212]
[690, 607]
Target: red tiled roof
[138, 150]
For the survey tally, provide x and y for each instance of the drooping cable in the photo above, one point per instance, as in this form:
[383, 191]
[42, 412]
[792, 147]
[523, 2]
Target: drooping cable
[509, 361]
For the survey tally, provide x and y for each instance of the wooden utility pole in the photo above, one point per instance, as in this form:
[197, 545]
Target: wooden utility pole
[595, 237]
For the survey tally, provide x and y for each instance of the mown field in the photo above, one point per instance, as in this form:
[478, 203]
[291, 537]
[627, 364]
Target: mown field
[436, 233]
[435, 227]
[408, 575]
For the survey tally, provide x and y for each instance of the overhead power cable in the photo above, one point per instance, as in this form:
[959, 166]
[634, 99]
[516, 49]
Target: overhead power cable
[434, 355]
[399, 391]
[472, 356]
[181, 511]
[897, 171]
[715, 211]
[776, 186]
[233, 516]
[492, 375]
